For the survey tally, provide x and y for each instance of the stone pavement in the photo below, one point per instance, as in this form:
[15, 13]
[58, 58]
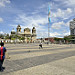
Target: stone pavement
[28, 59]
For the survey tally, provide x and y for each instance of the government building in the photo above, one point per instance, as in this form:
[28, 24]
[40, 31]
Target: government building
[72, 30]
[30, 36]
[72, 27]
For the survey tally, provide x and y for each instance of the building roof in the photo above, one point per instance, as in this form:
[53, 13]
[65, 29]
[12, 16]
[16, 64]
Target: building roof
[18, 26]
[33, 28]
[13, 31]
[27, 29]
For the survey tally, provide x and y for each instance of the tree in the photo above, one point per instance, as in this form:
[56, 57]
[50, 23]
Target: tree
[68, 38]
[58, 39]
[22, 38]
[1, 36]
[7, 36]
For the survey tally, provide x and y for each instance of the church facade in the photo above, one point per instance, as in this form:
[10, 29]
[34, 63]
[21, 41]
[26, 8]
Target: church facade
[30, 36]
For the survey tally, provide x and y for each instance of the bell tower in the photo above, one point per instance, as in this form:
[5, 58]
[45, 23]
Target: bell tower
[18, 28]
[34, 31]
[33, 34]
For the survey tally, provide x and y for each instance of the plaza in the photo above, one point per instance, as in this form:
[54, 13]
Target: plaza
[25, 25]
[28, 59]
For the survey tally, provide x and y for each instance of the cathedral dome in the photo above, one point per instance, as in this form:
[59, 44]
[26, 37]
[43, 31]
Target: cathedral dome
[13, 31]
[27, 30]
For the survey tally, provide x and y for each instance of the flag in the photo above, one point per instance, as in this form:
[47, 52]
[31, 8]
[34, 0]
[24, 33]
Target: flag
[49, 20]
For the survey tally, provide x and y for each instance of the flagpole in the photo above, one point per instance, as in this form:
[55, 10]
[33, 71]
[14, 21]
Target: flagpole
[48, 32]
[48, 23]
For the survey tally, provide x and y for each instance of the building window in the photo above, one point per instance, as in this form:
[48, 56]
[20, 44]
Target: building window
[19, 30]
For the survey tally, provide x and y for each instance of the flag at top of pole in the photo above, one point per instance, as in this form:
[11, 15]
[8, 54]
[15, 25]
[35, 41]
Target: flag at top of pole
[49, 20]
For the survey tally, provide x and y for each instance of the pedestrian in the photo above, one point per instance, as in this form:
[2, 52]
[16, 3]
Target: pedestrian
[2, 56]
[0, 43]
[40, 45]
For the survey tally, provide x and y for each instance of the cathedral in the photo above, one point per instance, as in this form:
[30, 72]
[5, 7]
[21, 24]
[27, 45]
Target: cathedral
[29, 36]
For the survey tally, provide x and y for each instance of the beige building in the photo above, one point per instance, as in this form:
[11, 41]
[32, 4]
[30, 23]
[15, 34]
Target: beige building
[30, 36]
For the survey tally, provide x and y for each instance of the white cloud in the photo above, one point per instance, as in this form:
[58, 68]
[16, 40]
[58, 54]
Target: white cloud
[1, 32]
[65, 12]
[67, 3]
[3, 2]
[55, 34]
[61, 24]
[70, 2]
[13, 25]
[7, 1]
[30, 21]
[62, 13]
[68, 23]
[1, 20]
[35, 12]
[69, 10]
[57, 25]
[66, 34]
[42, 6]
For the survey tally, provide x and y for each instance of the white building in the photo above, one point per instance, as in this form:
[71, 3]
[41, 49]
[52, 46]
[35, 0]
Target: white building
[72, 27]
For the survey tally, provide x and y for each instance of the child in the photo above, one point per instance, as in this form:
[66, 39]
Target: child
[2, 55]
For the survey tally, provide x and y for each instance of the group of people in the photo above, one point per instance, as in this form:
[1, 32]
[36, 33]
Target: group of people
[2, 56]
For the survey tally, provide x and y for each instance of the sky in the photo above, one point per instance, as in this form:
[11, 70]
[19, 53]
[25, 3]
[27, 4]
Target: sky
[30, 13]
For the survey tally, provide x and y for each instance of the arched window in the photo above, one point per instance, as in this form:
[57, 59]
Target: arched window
[19, 30]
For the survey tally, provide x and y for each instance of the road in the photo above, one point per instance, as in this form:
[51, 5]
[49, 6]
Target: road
[28, 59]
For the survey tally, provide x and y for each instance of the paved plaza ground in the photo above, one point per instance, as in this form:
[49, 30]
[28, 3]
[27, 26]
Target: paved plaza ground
[28, 59]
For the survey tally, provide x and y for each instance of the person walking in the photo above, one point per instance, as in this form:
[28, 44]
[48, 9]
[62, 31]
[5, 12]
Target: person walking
[40, 45]
[2, 56]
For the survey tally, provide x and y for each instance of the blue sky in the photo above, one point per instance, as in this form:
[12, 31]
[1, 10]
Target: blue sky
[29, 13]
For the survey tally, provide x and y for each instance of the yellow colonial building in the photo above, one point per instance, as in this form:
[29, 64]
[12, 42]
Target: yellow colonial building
[30, 36]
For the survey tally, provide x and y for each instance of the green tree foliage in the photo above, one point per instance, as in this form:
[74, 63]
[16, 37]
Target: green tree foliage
[1, 36]
[68, 38]
[7, 36]
[57, 39]
[13, 37]
[22, 38]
